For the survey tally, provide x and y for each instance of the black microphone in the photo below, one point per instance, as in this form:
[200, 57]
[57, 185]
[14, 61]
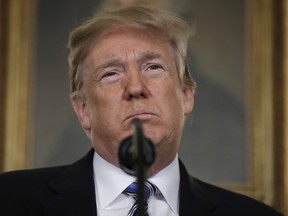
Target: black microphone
[137, 151]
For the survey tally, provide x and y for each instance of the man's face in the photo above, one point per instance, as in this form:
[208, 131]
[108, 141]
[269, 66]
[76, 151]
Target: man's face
[131, 73]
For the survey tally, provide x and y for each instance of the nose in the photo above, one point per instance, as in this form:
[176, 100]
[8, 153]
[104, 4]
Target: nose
[135, 87]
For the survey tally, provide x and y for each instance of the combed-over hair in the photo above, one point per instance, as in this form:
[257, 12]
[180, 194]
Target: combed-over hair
[176, 30]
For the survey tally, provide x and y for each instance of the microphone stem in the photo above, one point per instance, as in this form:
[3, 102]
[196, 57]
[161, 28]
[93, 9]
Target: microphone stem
[141, 171]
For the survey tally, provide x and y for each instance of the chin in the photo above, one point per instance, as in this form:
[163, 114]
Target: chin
[152, 135]
[156, 136]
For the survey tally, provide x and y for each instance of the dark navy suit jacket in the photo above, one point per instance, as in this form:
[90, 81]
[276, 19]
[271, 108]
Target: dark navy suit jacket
[69, 191]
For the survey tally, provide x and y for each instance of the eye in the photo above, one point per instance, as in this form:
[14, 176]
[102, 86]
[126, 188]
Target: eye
[109, 74]
[154, 70]
[155, 67]
[110, 77]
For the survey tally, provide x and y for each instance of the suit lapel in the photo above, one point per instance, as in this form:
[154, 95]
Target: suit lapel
[74, 191]
[193, 199]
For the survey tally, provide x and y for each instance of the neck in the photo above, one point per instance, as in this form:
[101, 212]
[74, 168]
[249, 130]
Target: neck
[159, 164]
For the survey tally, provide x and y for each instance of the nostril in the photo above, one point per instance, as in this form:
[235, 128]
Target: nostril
[135, 86]
[136, 94]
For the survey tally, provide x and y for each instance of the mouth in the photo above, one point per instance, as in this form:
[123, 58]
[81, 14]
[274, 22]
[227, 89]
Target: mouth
[140, 114]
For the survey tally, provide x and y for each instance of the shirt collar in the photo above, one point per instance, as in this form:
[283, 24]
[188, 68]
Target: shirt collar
[111, 181]
[168, 181]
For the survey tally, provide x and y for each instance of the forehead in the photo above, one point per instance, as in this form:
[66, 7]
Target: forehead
[120, 41]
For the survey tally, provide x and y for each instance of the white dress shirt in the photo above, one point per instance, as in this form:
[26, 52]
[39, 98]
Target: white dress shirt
[111, 181]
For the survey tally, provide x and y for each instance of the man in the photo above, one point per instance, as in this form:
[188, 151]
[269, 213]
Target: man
[126, 64]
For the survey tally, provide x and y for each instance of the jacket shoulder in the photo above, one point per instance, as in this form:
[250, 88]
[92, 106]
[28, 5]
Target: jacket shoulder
[27, 178]
[227, 201]
[25, 188]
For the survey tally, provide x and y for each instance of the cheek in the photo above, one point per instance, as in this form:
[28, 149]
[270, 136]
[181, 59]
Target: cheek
[101, 98]
[104, 109]
[173, 98]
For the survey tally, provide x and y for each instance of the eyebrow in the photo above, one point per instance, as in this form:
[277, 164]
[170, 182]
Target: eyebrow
[148, 55]
[109, 63]
[117, 61]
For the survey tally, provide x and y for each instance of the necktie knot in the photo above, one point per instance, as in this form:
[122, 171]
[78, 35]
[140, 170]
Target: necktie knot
[149, 190]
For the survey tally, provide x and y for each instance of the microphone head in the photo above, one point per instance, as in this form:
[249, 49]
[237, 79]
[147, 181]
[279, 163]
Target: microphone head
[129, 158]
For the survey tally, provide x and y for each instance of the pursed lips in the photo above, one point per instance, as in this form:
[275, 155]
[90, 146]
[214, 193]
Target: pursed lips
[139, 114]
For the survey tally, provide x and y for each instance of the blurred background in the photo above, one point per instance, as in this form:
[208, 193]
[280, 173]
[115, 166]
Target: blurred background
[235, 136]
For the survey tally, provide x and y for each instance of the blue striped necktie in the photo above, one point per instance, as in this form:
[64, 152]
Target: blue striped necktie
[149, 190]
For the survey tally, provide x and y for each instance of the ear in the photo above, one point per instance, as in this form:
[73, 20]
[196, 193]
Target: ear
[188, 99]
[80, 108]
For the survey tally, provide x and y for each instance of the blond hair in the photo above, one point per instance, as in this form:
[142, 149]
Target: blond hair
[176, 30]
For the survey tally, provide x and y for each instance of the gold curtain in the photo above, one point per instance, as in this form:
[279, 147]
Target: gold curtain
[17, 27]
